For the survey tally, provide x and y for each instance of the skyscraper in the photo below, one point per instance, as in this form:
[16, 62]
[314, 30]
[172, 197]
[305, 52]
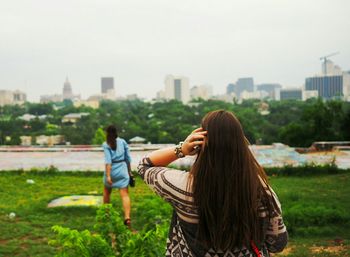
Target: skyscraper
[244, 84]
[270, 88]
[107, 84]
[231, 88]
[12, 97]
[177, 87]
[67, 90]
[333, 83]
[291, 93]
[327, 86]
[203, 91]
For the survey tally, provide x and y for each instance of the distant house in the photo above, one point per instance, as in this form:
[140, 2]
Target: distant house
[27, 117]
[49, 140]
[89, 103]
[137, 140]
[74, 117]
[26, 140]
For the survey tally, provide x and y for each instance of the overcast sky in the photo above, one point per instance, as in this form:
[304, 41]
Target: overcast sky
[138, 42]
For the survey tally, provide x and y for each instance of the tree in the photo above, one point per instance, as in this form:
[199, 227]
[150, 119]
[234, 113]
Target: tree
[99, 137]
[39, 109]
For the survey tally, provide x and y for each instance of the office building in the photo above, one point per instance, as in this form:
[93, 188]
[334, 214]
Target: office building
[333, 83]
[203, 91]
[307, 94]
[177, 87]
[51, 98]
[107, 85]
[244, 84]
[8, 97]
[328, 87]
[245, 95]
[270, 88]
[346, 85]
[231, 88]
[329, 69]
[291, 94]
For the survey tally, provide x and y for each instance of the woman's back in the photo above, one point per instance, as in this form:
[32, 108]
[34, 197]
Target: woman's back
[172, 186]
[223, 205]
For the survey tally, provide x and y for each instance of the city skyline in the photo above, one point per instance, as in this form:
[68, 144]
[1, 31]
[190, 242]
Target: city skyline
[138, 43]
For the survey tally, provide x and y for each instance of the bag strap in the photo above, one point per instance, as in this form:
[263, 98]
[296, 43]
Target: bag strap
[255, 249]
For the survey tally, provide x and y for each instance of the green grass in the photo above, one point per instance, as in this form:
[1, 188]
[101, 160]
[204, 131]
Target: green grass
[316, 211]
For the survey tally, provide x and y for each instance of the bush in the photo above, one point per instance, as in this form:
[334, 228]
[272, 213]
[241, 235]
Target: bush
[112, 238]
[75, 243]
[305, 170]
[153, 212]
[307, 220]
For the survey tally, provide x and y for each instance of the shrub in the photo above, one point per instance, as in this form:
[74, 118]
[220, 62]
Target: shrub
[305, 170]
[75, 243]
[307, 220]
[112, 238]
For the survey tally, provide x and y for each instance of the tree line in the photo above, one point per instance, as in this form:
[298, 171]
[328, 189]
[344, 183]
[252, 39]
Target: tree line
[291, 122]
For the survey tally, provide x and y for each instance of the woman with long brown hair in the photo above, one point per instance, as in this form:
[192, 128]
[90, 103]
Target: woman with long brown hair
[117, 169]
[224, 206]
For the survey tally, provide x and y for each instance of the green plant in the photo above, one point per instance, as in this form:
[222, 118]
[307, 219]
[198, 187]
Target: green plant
[112, 235]
[110, 226]
[75, 243]
[99, 137]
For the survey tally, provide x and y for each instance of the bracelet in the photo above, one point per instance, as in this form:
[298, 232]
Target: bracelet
[178, 150]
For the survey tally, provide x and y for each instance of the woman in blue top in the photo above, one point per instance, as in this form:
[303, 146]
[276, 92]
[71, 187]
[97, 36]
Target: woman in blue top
[118, 171]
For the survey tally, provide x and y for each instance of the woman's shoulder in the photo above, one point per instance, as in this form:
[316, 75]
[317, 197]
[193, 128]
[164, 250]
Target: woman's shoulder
[121, 140]
[105, 145]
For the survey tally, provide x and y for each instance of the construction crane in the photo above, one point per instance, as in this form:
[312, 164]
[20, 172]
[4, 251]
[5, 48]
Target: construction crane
[325, 60]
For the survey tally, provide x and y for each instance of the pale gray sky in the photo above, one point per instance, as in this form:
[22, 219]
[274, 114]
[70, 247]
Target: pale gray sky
[138, 42]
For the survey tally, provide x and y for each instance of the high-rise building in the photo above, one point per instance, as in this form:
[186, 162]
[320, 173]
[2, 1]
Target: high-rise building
[51, 98]
[177, 87]
[107, 85]
[245, 95]
[291, 93]
[203, 91]
[328, 68]
[67, 90]
[270, 88]
[346, 85]
[160, 95]
[332, 83]
[327, 86]
[244, 84]
[231, 88]
[8, 97]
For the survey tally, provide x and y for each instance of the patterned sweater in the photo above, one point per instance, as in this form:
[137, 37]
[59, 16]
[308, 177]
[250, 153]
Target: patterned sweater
[171, 185]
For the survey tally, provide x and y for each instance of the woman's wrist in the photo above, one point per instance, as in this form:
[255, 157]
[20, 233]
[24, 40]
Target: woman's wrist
[179, 150]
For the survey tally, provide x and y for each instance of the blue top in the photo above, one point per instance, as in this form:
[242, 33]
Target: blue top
[118, 159]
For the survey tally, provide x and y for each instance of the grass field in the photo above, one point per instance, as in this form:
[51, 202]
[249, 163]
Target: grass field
[316, 211]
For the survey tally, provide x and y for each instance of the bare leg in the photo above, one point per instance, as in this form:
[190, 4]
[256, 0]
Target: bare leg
[124, 194]
[107, 195]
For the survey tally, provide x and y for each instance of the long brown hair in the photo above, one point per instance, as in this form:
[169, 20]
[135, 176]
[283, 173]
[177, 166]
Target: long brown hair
[226, 185]
[112, 134]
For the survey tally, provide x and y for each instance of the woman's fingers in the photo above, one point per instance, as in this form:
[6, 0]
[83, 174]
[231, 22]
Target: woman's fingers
[194, 143]
[197, 130]
[197, 136]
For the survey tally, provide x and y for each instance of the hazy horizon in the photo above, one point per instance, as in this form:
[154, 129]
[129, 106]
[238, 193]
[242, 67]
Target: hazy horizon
[140, 42]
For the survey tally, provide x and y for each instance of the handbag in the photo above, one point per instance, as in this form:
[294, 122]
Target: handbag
[255, 249]
[131, 181]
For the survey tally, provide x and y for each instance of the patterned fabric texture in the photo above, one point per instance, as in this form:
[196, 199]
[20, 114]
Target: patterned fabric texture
[171, 185]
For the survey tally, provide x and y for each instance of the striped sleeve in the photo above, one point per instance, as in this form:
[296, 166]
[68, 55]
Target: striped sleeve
[170, 184]
[276, 233]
